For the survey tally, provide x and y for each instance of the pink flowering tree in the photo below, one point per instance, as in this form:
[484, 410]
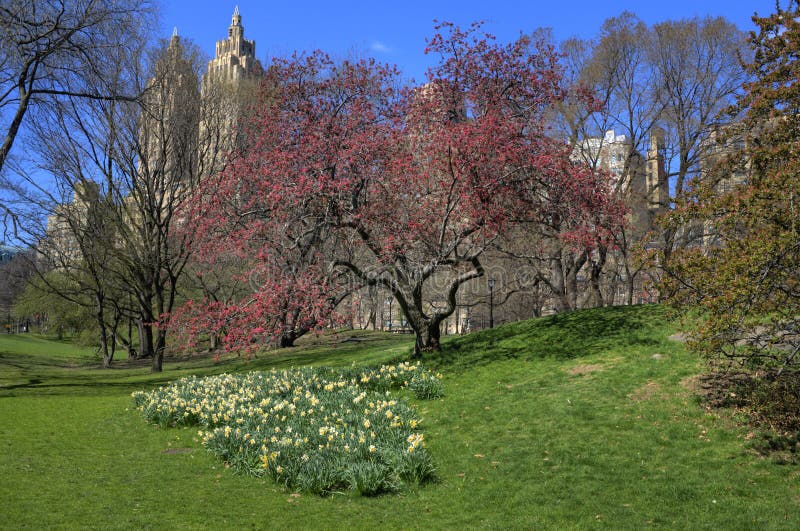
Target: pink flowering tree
[351, 180]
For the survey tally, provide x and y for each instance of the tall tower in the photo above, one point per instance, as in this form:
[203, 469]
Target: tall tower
[656, 174]
[235, 57]
[229, 85]
[170, 118]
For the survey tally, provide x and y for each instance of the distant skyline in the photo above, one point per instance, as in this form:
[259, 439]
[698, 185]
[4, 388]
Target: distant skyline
[395, 32]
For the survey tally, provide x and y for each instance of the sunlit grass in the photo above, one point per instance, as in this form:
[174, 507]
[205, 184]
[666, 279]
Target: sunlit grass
[586, 420]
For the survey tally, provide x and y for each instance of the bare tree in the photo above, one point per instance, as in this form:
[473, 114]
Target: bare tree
[698, 65]
[158, 164]
[661, 89]
[71, 216]
[141, 160]
[57, 48]
[622, 75]
[73, 65]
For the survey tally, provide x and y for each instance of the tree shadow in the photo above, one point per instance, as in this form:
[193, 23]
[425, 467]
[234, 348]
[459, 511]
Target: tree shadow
[28, 375]
[561, 337]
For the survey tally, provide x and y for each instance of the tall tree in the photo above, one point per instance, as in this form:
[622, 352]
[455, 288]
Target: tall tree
[699, 71]
[159, 156]
[745, 280]
[121, 174]
[607, 116]
[72, 64]
[78, 252]
[661, 89]
[51, 49]
[412, 186]
[622, 76]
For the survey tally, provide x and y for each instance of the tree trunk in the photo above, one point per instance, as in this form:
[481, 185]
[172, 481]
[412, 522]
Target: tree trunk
[113, 341]
[129, 344]
[631, 286]
[596, 273]
[292, 331]
[13, 128]
[160, 347]
[427, 339]
[108, 354]
[145, 340]
[126, 342]
[287, 339]
[571, 284]
[559, 288]
[372, 319]
[158, 363]
[101, 322]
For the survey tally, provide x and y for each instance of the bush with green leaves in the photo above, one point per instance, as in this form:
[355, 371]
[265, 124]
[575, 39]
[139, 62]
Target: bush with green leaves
[314, 430]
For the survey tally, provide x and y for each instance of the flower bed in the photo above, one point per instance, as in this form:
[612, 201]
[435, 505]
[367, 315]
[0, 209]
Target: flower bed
[315, 430]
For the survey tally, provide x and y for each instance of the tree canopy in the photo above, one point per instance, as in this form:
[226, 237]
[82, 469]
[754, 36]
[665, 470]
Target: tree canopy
[351, 179]
[745, 277]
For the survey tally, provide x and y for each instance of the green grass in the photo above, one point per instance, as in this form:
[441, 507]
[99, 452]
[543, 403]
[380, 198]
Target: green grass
[584, 420]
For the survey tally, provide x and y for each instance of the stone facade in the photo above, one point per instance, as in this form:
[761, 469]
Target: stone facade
[235, 57]
[722, 142]
[168, 132]
[68, 221]
[641, 181]
[230, 83]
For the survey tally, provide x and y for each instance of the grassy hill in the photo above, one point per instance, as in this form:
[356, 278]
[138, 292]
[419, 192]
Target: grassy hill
[584, 420]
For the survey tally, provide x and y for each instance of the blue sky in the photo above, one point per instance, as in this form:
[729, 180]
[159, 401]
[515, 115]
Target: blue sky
[395, 32]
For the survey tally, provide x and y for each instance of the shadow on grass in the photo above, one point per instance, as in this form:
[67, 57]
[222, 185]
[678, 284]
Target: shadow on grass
[563, 337]
[27, 374]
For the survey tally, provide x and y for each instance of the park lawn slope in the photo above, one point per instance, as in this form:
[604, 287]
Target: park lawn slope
[580, 420]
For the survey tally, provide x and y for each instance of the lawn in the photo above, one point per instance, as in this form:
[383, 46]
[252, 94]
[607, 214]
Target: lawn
[584, 420]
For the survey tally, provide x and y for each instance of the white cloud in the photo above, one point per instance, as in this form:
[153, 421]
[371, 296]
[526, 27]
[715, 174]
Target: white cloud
[379, 47]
